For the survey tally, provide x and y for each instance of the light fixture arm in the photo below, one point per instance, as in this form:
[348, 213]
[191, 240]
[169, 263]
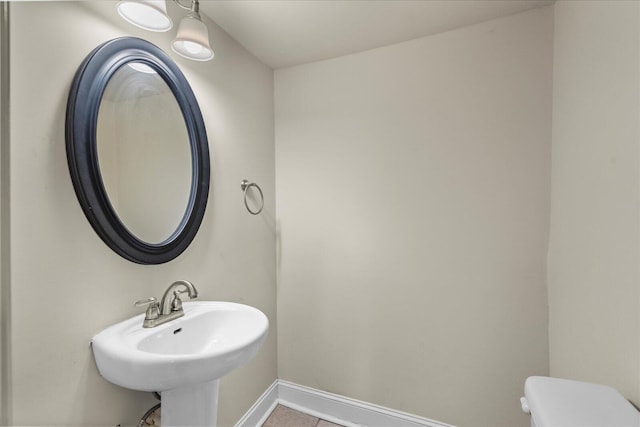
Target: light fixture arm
[195, 5]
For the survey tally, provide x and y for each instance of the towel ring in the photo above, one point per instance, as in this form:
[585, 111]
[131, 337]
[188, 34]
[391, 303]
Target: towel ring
[245, 185]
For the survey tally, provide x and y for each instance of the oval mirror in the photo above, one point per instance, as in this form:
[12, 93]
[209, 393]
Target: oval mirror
[137, 150]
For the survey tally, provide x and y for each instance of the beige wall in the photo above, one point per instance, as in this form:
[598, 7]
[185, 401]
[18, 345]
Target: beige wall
[593, 276]
[4, 185]
[66, 285]
[412, 205]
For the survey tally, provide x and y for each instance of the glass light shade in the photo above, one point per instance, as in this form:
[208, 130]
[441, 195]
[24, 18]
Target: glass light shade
[192, 40]
[148, 14]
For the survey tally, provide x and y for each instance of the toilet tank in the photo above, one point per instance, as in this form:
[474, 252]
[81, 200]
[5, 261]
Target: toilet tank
[554, 402]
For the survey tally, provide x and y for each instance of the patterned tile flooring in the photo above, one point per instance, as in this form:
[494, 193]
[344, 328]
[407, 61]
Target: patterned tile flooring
[287, 417]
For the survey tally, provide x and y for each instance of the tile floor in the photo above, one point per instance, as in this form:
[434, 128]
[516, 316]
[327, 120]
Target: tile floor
[287, 417]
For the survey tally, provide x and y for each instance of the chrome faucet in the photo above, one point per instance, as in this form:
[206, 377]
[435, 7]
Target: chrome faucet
[170, 307]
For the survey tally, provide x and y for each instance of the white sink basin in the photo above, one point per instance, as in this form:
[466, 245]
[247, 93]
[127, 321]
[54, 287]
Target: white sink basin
[209, 341]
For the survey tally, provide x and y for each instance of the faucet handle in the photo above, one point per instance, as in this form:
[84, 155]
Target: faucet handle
[146, 301]
[153, 311]
[176, 304]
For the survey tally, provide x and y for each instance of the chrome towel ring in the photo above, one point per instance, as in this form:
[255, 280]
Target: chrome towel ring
[245, 185]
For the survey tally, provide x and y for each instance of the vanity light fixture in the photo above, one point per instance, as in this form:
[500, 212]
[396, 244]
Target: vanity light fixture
[192, 38]
[147, 14]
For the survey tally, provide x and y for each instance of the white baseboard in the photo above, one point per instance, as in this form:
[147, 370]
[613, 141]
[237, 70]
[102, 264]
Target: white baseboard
[331, 407]
[259, 412]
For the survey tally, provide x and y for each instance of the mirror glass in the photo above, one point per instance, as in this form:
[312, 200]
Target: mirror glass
[144, 153]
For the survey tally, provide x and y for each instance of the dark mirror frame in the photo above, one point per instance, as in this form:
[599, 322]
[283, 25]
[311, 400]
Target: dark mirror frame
[83, 105]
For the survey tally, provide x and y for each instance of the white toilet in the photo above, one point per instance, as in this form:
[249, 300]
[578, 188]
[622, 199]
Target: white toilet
[554, 402]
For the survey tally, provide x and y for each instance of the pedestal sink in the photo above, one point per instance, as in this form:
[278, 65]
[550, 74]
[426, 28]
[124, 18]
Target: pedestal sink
[184, 358]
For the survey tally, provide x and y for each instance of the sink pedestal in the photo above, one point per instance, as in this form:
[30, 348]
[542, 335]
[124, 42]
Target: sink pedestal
[191, 405]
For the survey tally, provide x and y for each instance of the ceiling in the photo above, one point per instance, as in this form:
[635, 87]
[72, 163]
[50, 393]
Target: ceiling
[284, 33]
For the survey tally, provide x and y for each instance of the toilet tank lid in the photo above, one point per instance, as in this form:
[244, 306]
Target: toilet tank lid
[555, 402]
